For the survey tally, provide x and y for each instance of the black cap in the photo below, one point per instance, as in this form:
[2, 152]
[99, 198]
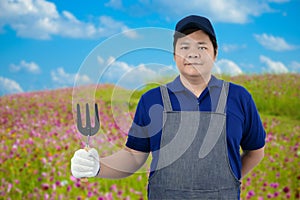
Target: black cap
[195, 21]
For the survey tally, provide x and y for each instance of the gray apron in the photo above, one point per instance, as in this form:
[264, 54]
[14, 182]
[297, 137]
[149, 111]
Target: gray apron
[193, 159]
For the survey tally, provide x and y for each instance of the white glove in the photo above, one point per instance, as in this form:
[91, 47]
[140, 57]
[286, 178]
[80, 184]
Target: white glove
[85, 163]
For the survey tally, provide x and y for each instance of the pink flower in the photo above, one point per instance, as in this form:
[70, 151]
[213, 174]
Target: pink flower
[58, 148]
[9, 187]
[286, 189]
[73, 178]
[68, 188]
[113, 188]
[109, 196]
[44, 161]
[120, 192]
[14, 147]
[45, 186]
[53, 186]
[77, 184]
[46, 196]
[139, 178]
[57, 183]
[90, 194]
[250, 194]
[274, 185]
[265, 184]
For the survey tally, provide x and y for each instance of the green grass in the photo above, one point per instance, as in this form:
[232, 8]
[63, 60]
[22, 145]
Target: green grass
[277, 95]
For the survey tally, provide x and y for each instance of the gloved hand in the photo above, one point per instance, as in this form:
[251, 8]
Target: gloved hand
[85, 163]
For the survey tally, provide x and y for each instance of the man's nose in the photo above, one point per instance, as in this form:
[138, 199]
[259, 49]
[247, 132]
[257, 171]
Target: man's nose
[193, 54]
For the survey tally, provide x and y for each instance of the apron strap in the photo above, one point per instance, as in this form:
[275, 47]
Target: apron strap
[165, 98]
[223, 98]
[220, 107]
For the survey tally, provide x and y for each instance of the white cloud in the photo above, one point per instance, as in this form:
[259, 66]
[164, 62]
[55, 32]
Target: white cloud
[108, 26]
[40, 19]
[232, 47]
[227, 67]
[100, 60]
[273, 66]
[8, 86]
[130, 33]
[279, 1]
[64, 79]
[295, 67]
[132, 76]
[117, 69]
[232, 11]
[117, 4]
[137, 76]
[273, 43]
[30, 67]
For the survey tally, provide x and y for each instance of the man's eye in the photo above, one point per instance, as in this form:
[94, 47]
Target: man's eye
[202, 48]
[184, 47]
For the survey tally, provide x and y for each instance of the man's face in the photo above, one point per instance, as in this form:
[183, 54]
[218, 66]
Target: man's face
[194, 55]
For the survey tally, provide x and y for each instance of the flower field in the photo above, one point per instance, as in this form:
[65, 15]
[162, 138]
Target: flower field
[39, 136]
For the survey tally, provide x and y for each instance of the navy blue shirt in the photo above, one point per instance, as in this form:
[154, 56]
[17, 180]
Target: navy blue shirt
[243, 125]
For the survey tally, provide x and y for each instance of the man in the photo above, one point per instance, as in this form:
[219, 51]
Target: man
[193, 127]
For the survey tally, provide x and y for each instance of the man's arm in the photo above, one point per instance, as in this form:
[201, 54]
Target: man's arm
[122, 164]
[250, 159]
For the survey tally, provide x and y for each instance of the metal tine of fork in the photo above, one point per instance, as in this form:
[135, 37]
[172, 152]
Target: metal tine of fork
[97, 121]
[88, 124]
[88, 130]
[79, 122]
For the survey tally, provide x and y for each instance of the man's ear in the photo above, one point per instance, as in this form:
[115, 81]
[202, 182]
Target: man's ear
[216, 54]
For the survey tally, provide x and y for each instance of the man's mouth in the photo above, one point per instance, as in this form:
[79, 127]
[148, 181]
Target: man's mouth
[193, 64]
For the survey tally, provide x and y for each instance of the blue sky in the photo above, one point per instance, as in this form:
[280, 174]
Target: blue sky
[54, 44]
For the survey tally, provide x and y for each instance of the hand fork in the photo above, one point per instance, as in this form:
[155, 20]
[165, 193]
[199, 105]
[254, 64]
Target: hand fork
[88, 130]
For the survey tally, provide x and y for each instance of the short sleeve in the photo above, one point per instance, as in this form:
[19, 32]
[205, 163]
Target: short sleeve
[138, 138]
[253, 134]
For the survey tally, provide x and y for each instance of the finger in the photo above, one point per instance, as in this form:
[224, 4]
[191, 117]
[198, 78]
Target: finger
[83, 154]
[93, 153]
[81, 168]
[83, 161]
[82, 174]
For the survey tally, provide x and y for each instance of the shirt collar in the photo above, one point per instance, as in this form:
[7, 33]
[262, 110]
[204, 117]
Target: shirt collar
[177, 86]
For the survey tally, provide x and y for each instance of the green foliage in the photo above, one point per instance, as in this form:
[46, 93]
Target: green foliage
[277, 95]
